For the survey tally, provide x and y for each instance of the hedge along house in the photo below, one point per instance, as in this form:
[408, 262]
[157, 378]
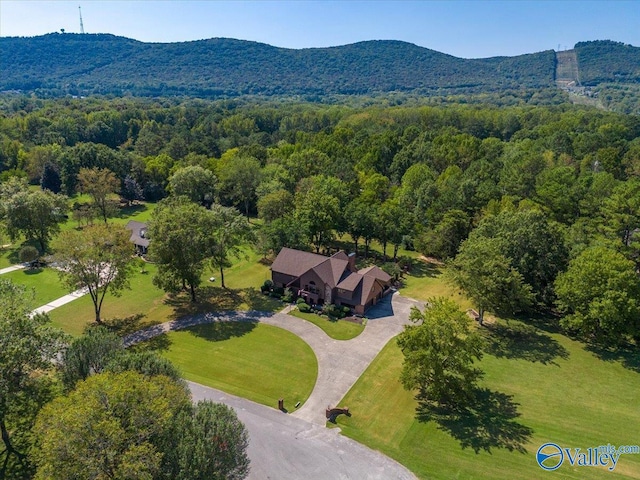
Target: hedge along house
[319, 279]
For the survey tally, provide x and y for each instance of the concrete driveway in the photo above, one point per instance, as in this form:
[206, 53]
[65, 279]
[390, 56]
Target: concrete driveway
[284, 447]
[299, 445]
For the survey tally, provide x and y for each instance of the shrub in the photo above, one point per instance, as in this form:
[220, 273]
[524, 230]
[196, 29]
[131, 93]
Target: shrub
[300, 301]
[289, 295]
[28, 254]
[304, 307]
[279, 290]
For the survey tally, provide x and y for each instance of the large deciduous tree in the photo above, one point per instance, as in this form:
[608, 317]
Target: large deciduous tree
[194, 182]
[488, 278]
[98, 258]
[239, 178]
[27, 347]
[101, 184]
[180, 240]
[439, 350]
[600, 295]
[110, 426]
[36, 214]
[210, 443]
[228, 231]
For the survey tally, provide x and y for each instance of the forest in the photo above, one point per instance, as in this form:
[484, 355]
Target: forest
[546, 192]
[530, 210]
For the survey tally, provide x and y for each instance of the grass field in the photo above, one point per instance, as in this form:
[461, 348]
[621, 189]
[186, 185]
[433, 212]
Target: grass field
[255, 361]
[336, 329]
[542, 387]
[145, 304]
[44, 281]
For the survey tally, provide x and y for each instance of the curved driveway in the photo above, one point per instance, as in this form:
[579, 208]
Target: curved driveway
[286, 447]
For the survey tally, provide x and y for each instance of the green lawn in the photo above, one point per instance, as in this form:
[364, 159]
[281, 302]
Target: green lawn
[336, 329]
[561, 393]
[255, 361]
[144, 301]
[44, 281]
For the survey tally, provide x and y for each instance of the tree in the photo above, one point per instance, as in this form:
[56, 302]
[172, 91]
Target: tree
[228, 231]
[27, 347]
[28, 254]
[110, 426]
[50, 179]
[275, 205]
[100, 184]
[534, 247]
[88, 355]
[35, 214]
[439, 352]
[444, 240]
[194, 182]
[98, 258]
[210, 444]
[599, 293]
[319, 212]
[131, 190]
[621, 216]
[179, 229]
[239, 178]
[360, 223]
[486, 275]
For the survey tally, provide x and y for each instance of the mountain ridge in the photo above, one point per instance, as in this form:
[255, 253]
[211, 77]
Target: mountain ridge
[67, 63]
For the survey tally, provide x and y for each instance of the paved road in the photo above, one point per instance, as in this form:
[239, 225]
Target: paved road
[284, 447]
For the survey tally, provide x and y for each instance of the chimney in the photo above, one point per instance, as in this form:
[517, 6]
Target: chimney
[352, 262]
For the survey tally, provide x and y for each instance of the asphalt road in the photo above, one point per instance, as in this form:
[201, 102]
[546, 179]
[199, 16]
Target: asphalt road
[284, 447]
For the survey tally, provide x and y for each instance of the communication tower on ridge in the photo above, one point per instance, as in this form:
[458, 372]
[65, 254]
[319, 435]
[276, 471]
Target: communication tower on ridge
[81, 25]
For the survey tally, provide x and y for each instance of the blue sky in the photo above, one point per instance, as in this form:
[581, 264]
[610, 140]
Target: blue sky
[468, 29]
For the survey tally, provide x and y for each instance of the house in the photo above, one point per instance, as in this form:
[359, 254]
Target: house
[334, 279]
[139, 236]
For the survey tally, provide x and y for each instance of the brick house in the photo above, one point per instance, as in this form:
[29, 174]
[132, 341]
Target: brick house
[334, 279]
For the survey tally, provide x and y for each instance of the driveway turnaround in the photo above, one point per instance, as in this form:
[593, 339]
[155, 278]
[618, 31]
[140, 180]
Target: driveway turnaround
[285, 447]
[299, 445]
[340, 362]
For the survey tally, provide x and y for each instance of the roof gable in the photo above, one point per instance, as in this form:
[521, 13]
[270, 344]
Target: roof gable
[295, 262]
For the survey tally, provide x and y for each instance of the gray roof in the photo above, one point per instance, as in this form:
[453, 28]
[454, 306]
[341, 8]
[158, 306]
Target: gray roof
[138, 231]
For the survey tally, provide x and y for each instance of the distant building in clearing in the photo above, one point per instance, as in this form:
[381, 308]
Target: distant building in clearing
[139, 236]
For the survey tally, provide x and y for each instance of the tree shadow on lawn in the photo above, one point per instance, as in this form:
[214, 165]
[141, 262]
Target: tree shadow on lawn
[628, 356]
[520, 341]
[133, 209]
[159, 343]
[218, 299]
[421, 268]
[485, 422]
[223, 330]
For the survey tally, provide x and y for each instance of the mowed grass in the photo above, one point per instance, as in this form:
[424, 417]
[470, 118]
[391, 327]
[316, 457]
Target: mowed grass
[43, 281]
[143, 304]
[336, 329]
[255, 361]
[561, 393]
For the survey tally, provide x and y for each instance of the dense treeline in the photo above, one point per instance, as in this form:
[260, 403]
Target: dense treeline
[58, 64]
[607, 61]
[533, 189]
